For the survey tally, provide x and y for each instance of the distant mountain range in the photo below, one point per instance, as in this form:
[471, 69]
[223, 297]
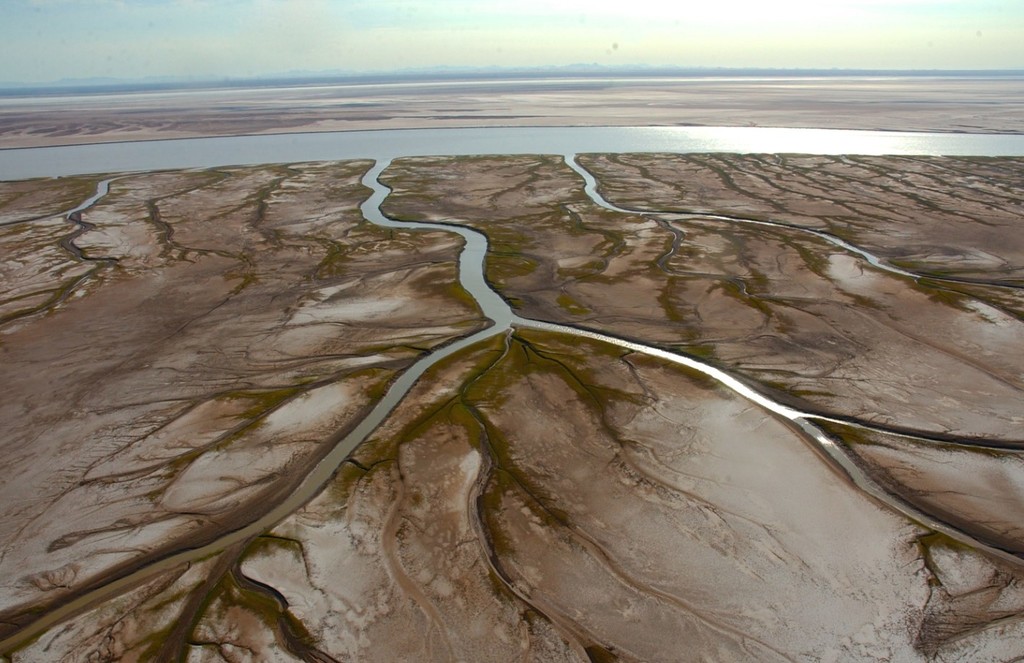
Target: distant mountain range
[300, 78]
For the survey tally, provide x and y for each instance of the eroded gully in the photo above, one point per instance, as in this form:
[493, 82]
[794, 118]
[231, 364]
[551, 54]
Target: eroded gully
[591, 189]
[74, 216]
[67, 242]
[503, 321]
[471, 275]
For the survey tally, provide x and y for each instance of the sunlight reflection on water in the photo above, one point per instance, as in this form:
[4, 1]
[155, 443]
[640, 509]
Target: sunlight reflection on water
[829, 141]
[22, 163]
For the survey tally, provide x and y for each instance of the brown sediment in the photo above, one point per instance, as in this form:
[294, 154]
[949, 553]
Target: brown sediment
[68, 241]
[38, 277]
[29, 201]
[538, 495]
[812, 321]
[172, 647]
[194, 386]
[966, 599]
[965, 104]
[132, 626]
[945, 215]
[976, 490]
[622, 513]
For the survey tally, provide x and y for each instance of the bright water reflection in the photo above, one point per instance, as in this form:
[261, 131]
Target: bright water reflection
[24, 163]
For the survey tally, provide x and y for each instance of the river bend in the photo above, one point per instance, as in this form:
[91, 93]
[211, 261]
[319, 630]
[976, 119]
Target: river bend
[504, 320]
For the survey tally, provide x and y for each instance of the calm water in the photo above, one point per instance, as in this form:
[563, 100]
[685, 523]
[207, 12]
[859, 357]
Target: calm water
[286, 148]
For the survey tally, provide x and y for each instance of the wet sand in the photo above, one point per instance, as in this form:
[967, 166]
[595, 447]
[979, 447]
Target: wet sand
[216, 332]
[538, 495]
[967, 104]
[828, 331]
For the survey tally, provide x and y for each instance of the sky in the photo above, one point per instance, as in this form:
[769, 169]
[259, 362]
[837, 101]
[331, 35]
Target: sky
[50, 40]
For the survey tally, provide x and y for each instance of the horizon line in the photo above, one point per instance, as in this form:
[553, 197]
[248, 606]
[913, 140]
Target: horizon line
[471, 74]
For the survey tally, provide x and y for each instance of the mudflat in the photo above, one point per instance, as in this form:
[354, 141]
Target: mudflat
[964, 104]
[179, 356]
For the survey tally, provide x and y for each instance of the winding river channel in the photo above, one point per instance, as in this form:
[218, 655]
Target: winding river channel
[494, 307]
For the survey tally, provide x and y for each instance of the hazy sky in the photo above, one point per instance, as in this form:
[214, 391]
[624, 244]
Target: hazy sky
[43, 40]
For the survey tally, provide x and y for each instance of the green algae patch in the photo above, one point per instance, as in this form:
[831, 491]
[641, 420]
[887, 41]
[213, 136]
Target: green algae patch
[335, 263]
[502, 268]
[571, 305]
[705, 351]
[267, 545]
[264, 402]
[235, 591]
[468, 365]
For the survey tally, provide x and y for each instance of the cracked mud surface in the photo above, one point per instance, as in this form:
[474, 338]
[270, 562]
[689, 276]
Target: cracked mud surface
[538, 495]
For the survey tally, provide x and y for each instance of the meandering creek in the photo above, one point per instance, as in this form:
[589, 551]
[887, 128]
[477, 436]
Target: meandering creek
[504, 320]
[471, 275]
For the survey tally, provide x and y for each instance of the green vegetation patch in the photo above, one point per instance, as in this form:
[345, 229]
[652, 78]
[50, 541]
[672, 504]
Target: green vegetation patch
[568, 303]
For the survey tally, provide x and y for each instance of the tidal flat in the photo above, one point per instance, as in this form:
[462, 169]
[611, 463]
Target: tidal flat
[180, 357]
[952, 103]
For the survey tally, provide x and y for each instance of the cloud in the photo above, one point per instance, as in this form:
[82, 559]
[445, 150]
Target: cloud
[52, 39]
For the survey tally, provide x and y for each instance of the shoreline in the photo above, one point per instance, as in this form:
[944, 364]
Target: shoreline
[957, 105]
[499, 127]
[190, 153]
